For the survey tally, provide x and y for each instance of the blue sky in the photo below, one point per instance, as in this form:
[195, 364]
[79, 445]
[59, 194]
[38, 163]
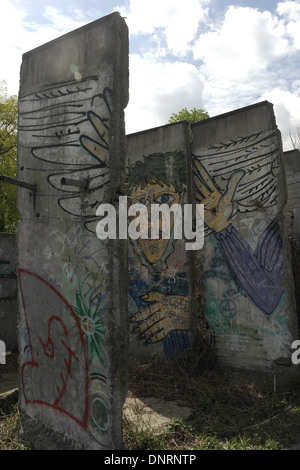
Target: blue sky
[218, 55]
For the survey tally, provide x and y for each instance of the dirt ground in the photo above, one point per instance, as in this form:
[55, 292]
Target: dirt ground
[148, 412]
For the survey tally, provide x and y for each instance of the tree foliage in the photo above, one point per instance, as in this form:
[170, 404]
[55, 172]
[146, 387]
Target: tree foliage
[192, 116]
[8, 162]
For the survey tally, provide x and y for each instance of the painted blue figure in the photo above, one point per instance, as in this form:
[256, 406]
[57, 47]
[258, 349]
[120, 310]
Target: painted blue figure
[158, 276]
[259, 272]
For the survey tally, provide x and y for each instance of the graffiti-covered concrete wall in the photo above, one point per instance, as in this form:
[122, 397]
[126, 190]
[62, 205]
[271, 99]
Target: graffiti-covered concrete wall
[162, 305]
[291, 162]
[238, 290]
[8, 291]
[72, 286]
[248, 287]
[86, 303]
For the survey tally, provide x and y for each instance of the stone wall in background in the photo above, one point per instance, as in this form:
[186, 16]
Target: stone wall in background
[291, 161]
[72, 285]
[291, 167]
[8, 291]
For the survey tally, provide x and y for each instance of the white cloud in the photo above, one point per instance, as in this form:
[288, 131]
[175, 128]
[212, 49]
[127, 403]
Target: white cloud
[246, 56]
[290, 9]
[286, 108]
[290, 13]
[246, 42]
[63, 23]
[10, 40]
[176, 21]
[158, 89]
[252, 56]
[18, 35]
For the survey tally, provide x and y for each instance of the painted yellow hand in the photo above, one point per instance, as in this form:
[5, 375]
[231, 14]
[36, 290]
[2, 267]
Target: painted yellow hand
[218, 207]
[165, 314]
[97, 149]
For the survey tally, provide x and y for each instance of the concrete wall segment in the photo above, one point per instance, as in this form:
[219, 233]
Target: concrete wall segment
[74, 48]
[259, 116]
[8, 290]
[73, 295]
[162, 273]
[291, 161]
[240, 179]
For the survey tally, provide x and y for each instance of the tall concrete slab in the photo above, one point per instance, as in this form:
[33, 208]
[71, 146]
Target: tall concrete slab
[162, 294]
[72, 285]
[248, 286]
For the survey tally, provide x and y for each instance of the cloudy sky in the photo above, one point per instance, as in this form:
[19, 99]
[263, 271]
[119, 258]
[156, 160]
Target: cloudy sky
[218, 55]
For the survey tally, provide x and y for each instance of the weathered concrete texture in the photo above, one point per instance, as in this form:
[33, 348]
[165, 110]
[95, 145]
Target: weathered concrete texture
[8, 291]
[162, 302]
[291, 162]
[72, 286]
[247, 279]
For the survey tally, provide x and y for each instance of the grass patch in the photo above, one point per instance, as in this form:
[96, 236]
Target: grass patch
[228, 411]
[10, 427]
[136, 438]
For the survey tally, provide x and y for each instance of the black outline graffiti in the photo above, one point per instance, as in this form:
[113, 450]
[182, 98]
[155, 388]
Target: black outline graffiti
[255, 153]
[92, 151]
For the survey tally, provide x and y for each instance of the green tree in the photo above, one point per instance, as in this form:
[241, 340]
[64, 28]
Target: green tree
[9, 215]
[192, 116]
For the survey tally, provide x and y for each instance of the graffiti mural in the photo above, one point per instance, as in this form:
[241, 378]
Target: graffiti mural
[259, 273]
[7, 271]
[8, 261]
[91, 322]
[57, 371]
[159, 302]
[63, 121]
[232, 179]
[64, 132]
[8, 291]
